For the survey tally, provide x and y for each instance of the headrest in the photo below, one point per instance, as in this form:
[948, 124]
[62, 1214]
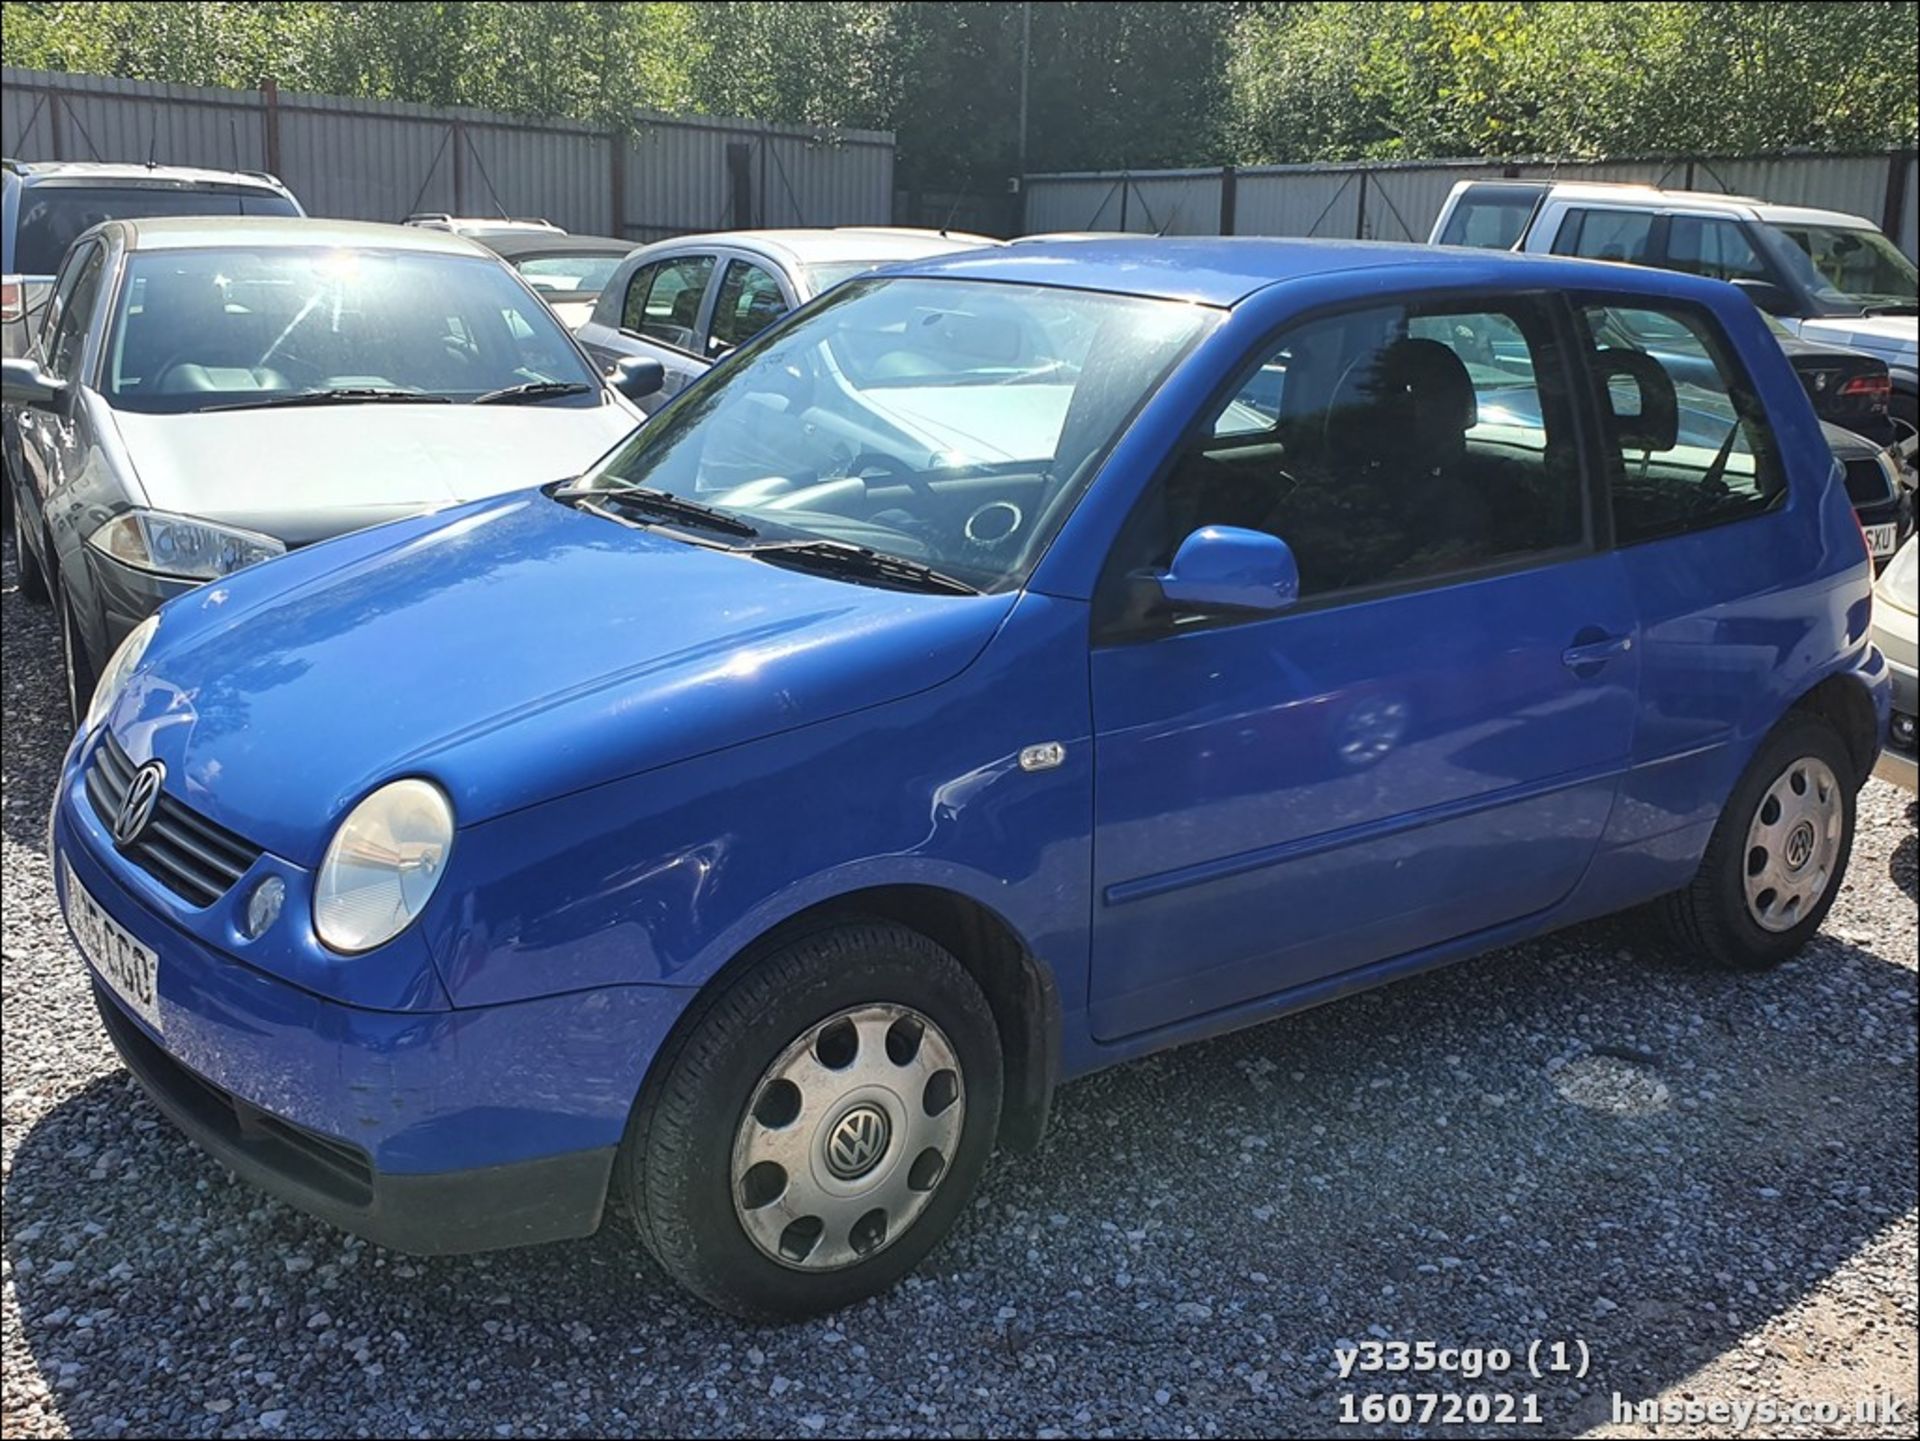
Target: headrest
[1413, 403]
[1653, 424]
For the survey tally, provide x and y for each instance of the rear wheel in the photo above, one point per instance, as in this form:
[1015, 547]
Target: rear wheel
[819, 1126]
[1778, 854]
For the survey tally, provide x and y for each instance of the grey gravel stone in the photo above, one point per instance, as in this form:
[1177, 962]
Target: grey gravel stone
[1454, 1158]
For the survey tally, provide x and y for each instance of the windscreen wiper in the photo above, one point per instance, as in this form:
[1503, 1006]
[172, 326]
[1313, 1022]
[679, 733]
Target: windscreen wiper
[1904, 307]
[345, 395]
[648, 501]
[532, 390]
[846, 558]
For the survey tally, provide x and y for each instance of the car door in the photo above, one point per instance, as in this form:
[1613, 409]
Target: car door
[1428, 745]
[53, 443]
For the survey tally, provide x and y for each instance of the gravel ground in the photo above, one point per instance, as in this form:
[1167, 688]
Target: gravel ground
[1708, 1180]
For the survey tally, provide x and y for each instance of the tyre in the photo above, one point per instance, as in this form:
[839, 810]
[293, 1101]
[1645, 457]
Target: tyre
[75, 665]
[818, 1126]
[1778, 854]
[33, 580]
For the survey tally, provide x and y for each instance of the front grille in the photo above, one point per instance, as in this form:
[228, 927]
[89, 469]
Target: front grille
[337, 1169]
[183, 850]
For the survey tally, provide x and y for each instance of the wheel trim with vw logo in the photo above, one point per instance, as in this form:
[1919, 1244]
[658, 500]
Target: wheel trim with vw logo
[1793, 844]
[847, 1136]
[143, 794]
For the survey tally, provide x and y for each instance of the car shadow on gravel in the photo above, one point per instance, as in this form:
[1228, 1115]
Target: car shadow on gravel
[1904, 867]
[1551, 1142]
[33, 707]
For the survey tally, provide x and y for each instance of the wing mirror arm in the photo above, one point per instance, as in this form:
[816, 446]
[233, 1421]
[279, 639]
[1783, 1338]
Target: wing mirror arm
[23, 382]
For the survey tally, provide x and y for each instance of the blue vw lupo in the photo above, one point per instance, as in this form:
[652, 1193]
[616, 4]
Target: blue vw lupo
[1007, 666]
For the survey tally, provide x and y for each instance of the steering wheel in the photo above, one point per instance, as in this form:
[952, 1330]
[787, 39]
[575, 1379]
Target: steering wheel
[892, 469]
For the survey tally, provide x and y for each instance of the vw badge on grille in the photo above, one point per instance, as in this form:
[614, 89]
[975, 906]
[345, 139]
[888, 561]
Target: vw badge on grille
[857, 1142]
[137, 809]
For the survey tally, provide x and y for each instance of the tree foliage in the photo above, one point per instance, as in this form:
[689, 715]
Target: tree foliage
[1111, 84]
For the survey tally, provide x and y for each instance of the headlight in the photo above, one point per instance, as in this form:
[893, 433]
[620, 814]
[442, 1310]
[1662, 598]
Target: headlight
[119, 666]
[382, 866]
[173, 545]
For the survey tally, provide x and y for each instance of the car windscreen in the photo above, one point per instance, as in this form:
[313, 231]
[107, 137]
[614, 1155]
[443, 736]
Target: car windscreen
[51, 215]
[950, 423]
[199, 329]
[1850, 266]
[569, 277]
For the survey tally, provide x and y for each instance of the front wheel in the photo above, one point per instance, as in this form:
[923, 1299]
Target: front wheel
[819, 1126]
[75, 664]
[1778, 853]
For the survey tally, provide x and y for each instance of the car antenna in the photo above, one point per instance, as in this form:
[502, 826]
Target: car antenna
[153, 148]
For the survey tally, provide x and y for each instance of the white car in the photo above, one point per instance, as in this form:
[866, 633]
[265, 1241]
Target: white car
[1828, 276]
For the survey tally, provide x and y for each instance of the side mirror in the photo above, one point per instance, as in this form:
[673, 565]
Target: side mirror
[23, 382]
[1226, 568]
[1768, 296]
[636, 377]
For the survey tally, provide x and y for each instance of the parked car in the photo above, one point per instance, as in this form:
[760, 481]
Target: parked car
[476, 225]
[1830, 277]
[568, 271]
[202, 394]
[1897, 633]
[45, 204]
[686, 302]
[1008, 665]
[1882, 494]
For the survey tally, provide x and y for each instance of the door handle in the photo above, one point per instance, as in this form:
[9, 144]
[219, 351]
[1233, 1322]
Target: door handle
[1590, 655]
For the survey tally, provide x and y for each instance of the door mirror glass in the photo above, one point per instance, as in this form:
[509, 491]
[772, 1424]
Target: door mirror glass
[636, 377]
[1227, 568]
[27, 384]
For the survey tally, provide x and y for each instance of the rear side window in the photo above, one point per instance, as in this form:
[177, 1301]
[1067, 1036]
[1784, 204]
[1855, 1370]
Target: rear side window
[662, 302]
[1390, 446]
[1625, 235]
[1492, 217]
[1717, 249]
[1686, 433]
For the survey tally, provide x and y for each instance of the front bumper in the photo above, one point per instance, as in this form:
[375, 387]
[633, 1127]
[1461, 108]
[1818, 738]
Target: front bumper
[1900, 759]
[432, 1132]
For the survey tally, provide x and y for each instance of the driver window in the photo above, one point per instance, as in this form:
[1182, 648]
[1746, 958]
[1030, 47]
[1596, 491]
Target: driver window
[749, 301]
[663, 300]
[66, 339]
[1387, 446]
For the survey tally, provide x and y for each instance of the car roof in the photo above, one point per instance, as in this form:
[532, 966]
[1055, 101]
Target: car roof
[824, 245]
[38, 171]
[518, 244]
[210, 232]
[1742, 207]
[1224, 270]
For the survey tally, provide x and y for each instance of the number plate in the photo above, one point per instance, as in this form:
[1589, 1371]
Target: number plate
[1883, 539]
[130, 969]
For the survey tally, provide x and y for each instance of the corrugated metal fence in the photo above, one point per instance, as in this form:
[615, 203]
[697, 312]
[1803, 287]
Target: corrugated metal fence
[1396, 201]
[383, 160]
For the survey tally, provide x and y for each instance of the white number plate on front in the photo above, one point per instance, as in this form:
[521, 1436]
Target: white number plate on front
[1883, 539]
[131, 969]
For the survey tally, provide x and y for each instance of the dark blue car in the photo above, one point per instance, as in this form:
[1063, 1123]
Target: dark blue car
[1003, 667]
